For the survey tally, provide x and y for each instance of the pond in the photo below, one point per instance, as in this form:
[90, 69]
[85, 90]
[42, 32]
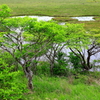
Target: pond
[85, 18]
[43, 18]
[47, 18]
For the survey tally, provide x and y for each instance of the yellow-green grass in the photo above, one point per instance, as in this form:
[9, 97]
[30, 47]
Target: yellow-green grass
[63, 88]
[97, 18]
[88, 25]
[54, 7]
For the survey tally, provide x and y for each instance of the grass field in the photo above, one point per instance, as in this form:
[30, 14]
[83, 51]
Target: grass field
[63, 88]
[54, 7]
[57, 8]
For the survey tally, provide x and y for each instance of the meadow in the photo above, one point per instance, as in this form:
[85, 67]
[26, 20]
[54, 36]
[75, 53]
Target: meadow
[65, 88]
[57, 8]
[54, 7]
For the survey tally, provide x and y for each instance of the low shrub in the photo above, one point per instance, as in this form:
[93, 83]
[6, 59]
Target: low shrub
[11, 85]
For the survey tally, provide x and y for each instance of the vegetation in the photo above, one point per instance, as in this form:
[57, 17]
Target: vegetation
[11, 88]
[35, 48]
[62, 9]
[62, 88]
[54, 7]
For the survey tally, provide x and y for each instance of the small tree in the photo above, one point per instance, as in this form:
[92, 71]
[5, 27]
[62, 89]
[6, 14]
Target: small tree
[78, 41]
[52, 54]
[82, 44]
[60, 65]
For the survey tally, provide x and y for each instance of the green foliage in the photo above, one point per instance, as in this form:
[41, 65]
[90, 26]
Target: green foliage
[95, 35]
[60, 64]
[43, 68]
[76, 62]
[76, 36]
[8, 59]
[11, 88]
[4, 12]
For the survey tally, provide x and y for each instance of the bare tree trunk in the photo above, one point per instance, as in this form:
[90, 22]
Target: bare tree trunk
[88, 61]
[51, 68]
[29, 76]
[85, 63]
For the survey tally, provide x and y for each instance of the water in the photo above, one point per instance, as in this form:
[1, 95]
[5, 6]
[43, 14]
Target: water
[39, 18]
[86, 18]
[47, 18]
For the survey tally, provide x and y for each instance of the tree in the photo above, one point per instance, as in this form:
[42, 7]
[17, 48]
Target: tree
[26, 38]
[78, 39]
[82, 44]
[56, 46]
[53, 52]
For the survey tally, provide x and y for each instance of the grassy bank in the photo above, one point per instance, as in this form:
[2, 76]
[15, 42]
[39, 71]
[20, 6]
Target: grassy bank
[65, 88]
[54, 7]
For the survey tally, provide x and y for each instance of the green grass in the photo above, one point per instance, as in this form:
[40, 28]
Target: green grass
[88, 25]
[64, 88]
[61, 9]
[54, 7]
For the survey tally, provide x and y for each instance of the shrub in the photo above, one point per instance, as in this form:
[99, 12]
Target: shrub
[43, 68]
[11, 88]
[9, 60]
[76, 62]
[60, 66]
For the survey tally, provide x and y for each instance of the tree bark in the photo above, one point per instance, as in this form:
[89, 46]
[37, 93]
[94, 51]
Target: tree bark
[51, 68]
[29, 76]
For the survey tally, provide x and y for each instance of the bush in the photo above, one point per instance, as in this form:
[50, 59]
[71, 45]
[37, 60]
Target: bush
[11, 88]
[43, 68]
[9, 60]
[60, 66]
[76, 62]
